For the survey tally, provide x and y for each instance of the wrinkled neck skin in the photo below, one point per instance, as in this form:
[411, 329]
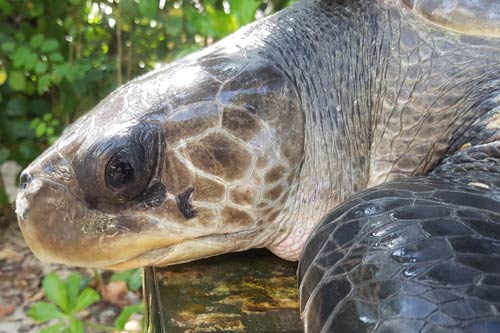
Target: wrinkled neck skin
[366, 74]
[327, 59]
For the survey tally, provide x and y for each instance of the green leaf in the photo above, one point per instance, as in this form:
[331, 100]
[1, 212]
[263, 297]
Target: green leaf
[54, 288]
[5, 8]
[220, 23]
[46, 117]
[43, 83]
[174, 23]
[40, 130]
[50, 131]
[36, 41]
[31, 61]
[56, 57]
[86, 298]
[50, 45]
[8, 47]
[244, 10]
[76, 326]
[36, 9]
[19, 56]
[43, 311]
[73, 280]
[127, 311]
[3, 77]
[148, 8]
[41, 67]
[56, 328]
[17, 81]
[132, 277]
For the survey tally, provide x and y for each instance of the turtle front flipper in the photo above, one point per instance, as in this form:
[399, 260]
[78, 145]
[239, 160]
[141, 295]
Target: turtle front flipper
[415, 255]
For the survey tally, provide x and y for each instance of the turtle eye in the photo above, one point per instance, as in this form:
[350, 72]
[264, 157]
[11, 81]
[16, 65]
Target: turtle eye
[127, 172]
[119, 171]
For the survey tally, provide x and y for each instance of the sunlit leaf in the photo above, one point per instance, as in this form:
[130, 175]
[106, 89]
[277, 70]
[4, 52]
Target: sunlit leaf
[244, 10]
[50, 132]
[17, 81]
[40, 130]
[41, 67]
[3, 77]
[56, 328]
[148, 8]
[19, 56]
[76, 326]
[87, 297]
[55, 288]
[220, 23]
[127, 311]
[43, 311]
[43, 83]
[31, 61]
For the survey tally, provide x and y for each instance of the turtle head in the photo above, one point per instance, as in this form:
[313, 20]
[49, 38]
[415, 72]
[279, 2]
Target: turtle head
[191, 160]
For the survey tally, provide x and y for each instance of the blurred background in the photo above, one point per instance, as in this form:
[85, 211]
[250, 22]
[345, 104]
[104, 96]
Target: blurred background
[58, 58]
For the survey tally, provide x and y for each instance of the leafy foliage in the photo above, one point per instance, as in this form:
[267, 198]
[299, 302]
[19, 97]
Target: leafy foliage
[66, 300]
[132, 277]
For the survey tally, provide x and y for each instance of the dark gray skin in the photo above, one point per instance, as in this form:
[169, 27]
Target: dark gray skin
[253, 141]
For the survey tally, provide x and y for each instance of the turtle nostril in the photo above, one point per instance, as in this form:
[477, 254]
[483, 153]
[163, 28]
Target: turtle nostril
[25, 180]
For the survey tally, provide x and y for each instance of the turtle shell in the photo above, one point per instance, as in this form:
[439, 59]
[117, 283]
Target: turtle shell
[475, 17]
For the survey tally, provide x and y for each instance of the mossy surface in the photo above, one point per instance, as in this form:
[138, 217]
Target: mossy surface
[252, 291]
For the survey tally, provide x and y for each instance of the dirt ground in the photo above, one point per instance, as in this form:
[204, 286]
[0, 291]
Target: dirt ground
[21, 275]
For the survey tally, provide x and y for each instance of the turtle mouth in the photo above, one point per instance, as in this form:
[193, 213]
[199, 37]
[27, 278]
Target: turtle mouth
[188, 250]
[59, 227]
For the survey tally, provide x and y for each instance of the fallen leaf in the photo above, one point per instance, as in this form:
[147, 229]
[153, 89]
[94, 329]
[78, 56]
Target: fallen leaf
[36, 296]
[116, 292]
[6, 310]
[9, 254]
